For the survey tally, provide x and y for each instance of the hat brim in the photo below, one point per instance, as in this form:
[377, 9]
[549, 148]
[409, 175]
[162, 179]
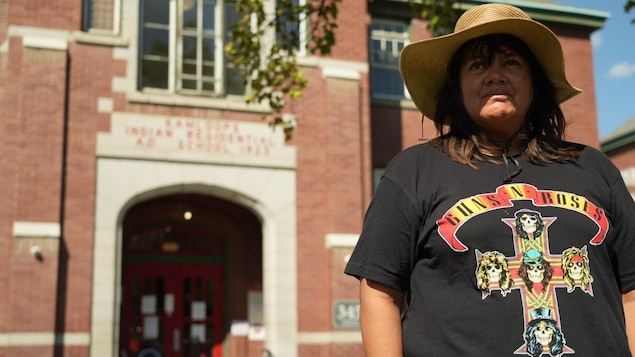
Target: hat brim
[423, 64]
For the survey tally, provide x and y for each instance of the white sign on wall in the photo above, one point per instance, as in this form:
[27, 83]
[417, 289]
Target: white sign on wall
[346, 314]
[194, 139]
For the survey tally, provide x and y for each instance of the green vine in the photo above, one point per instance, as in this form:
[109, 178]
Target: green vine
[264, 45]
[630, 4]
[441, 14]
[270, 69]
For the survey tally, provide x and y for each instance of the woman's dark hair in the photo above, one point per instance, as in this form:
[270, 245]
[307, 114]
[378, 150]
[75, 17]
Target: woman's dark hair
[544, 125]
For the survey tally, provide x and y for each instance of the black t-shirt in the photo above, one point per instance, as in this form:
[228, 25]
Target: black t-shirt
[533, 267]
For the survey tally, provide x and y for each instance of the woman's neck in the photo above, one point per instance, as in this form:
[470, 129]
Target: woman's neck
[496, 148]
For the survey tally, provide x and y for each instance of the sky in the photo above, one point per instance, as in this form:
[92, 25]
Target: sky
[613, 62]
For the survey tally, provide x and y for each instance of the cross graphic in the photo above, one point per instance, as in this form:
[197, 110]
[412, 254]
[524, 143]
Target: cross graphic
[536, 273]
[533, 270]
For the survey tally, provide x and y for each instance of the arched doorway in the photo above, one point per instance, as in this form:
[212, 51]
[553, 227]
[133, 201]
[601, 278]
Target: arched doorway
[185, 275]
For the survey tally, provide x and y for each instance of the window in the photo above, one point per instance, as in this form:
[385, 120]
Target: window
[387, 39]
[182, 47]
[294, 25]
[100, 15]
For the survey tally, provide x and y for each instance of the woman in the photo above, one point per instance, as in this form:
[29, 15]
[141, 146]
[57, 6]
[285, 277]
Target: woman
[497, 238]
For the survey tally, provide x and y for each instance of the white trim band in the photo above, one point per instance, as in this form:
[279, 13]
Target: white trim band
[49, 43]
[37, 229]
[341, 73]
[44, 339]
[336, 337]
[341, 240]
[628, 175]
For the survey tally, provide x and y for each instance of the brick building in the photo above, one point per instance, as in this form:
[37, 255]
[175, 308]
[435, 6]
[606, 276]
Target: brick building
[619, 146]
[148, 211]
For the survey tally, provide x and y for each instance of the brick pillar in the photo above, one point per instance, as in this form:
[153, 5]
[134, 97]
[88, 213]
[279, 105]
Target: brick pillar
[33, 101]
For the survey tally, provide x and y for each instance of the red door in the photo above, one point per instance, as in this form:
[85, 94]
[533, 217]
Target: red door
[171, 310]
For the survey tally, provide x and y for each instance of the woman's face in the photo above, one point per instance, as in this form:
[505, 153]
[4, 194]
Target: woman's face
[496, 95]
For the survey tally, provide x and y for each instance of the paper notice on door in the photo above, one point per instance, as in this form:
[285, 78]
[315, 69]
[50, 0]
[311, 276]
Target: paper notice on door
[150, 327]
[199, 310]
[257, 333]
[149, 304]
[239, 328]
[197, 333]
[168, 304]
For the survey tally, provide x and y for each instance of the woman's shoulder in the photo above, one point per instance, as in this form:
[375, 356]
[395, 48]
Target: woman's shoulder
[593, 155]
[417, 155]
[592, 158]
[425, 150]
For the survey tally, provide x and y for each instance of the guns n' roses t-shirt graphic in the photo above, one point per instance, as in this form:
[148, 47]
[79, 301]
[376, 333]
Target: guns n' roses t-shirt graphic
[537, 272]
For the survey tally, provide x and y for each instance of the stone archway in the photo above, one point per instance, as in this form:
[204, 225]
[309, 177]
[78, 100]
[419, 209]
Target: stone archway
[182, 252]
[123, 183]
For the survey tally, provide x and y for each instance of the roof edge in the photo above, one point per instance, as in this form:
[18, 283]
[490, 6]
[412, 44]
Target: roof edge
[617, 142]
[546, 11]
[552, 12]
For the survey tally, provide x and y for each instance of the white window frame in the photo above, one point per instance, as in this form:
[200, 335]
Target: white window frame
[385, 36]
[303, 28]
[175, 51]
[304, 32]
[88, 7]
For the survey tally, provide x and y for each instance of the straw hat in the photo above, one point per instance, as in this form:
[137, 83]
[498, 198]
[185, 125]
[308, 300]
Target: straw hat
[423, 64]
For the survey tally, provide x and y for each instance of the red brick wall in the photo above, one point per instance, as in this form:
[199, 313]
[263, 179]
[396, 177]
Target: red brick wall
[623, 158]
[351, 33]
[29, 351]
[339, 350]
[310, 136]
[581, 110]
[58, 14]
[91, 69]
[33, 99]
[333, 173]
[329, 186]
[40, 112]
[9, 161]
[32, 286]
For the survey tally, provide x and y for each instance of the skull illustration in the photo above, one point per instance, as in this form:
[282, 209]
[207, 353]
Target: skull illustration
[536, 273]
[494, 271]
[543, 333]
[529, 222]
[575, 267]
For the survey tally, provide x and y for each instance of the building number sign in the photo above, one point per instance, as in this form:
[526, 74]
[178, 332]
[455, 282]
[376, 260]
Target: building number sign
[346, 314]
